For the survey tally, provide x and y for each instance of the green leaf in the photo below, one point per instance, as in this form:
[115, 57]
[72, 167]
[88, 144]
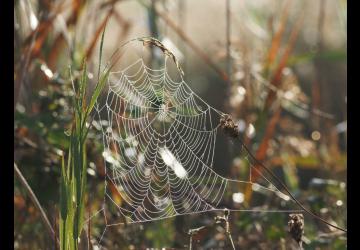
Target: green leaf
[83, 83]
[99, 87]
[101, 49]
[63, 191]
[83, 189]
[73, 177]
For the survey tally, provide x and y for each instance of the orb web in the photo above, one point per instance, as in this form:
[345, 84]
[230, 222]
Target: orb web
[159, 142]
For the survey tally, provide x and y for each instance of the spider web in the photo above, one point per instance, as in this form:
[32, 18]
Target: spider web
[159, 142]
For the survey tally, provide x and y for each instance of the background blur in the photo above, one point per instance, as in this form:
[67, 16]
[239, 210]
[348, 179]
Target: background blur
[278, 67]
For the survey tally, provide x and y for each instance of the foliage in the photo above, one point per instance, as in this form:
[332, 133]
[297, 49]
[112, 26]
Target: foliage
[73, 175]
[312, 78]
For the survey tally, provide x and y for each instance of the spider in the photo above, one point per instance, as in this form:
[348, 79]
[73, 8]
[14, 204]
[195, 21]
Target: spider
[229, 127]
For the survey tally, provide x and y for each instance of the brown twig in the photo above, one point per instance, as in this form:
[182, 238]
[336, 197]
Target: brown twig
[275, 42]
[269, 131]
[192, 232]
[166, 51]
[225, 220]
[318, 81]
[36, 202]
[228, 39]
[25, 61]
[98, 33]
[276, 80]
[271, 97]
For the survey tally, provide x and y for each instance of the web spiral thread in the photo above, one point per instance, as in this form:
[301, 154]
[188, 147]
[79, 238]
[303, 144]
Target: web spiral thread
[159, 142]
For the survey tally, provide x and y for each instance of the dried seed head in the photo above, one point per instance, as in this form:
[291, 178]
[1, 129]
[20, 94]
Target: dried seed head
[229, 127]
[296, 227]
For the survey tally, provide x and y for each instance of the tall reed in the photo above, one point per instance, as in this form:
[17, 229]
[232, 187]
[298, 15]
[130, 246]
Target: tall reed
[73, 169]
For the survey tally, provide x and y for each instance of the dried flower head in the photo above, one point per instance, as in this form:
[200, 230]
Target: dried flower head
[229, 126]
[296, 227]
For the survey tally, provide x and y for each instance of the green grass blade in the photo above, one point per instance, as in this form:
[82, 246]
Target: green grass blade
[101, 49]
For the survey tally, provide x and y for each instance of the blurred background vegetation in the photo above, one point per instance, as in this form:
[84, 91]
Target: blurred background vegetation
[278, 67]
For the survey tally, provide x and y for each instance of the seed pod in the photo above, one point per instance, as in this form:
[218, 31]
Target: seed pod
[296, 227]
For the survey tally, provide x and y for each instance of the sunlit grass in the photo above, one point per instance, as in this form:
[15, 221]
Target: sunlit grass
[73, 173]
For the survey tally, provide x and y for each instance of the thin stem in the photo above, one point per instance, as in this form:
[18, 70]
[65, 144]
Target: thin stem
[36, 202]
[288, 191]
[228, 42]
[190, 243]
[231, 240]
[24, 64]
[182, 22]
[230, 129]
[55, 236]
[225, 220]
[192, 232]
